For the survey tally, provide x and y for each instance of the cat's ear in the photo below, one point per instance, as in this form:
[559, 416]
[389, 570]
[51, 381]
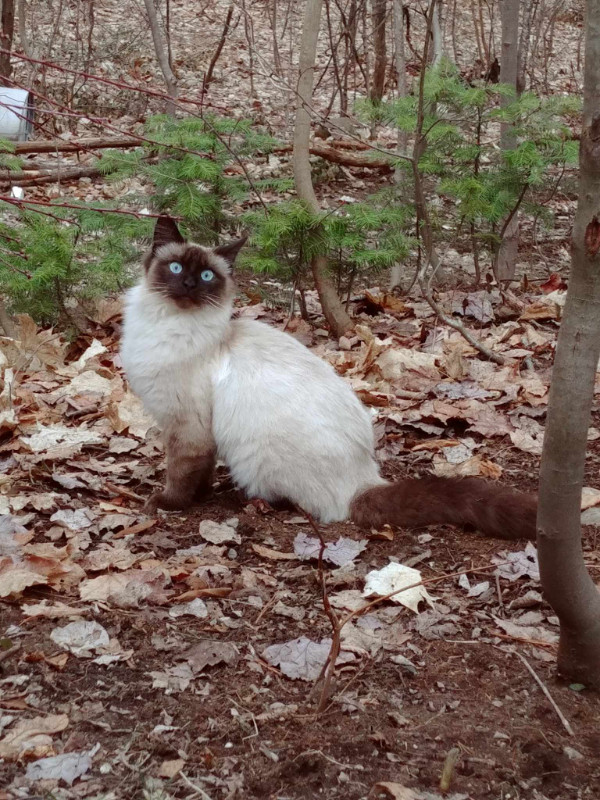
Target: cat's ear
[230, 250]
[166, 232]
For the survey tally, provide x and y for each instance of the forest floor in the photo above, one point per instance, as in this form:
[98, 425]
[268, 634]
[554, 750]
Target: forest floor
[141, 657]
[136, 653]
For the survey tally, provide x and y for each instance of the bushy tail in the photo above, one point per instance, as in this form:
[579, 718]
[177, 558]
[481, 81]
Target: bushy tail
[494, 510]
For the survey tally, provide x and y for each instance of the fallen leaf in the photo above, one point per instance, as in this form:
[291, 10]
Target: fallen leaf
[351, 599]
[31, 738]
[107, 556]
[434, 624]
[207, 653]
[195, 608]
[589, 497]
[76, 520]
[173, 679]
[12, 535]
[302, 659]
[341, 552]
[81, 637]
[554, 282]
[394, 791]
[14, 579]
[274, 555]
[95, 349]
[541, 310]
[50, 610]
[394, 577]
[122, 444]
[168, 769]
[52, 439]
[129, 414]
[127, 589]
[536, 633]
[523, 563]
[66, 767]
[220, 533]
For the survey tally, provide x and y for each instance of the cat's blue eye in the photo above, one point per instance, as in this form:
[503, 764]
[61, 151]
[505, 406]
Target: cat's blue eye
[175, 267]
[207, 275]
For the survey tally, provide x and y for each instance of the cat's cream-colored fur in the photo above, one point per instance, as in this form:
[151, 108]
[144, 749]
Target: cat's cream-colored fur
[286, 425]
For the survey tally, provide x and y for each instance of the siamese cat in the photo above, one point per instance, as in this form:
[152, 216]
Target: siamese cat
[286, 425]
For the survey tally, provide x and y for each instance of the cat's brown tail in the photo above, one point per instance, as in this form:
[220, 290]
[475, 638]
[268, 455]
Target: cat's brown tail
[493, 510]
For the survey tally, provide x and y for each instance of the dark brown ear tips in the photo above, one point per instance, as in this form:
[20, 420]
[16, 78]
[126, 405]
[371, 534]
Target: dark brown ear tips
[166, 232]
[230, 250]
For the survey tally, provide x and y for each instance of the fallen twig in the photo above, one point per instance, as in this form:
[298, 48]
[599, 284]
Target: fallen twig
[458, 326]
[538, 680]
[11, 651]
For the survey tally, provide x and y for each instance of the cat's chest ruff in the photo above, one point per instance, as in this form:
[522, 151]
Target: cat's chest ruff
[168, 358]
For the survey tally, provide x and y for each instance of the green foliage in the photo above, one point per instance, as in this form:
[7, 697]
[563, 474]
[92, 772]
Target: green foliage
[479, 183]
[47, 265]
[194, 169]
[357, 239]
[190, 168]
[200, 170]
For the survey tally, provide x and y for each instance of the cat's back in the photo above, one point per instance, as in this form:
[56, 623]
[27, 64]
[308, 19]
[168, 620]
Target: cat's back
[282, 417]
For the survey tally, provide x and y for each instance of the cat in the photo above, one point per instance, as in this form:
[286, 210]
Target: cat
[287, 426]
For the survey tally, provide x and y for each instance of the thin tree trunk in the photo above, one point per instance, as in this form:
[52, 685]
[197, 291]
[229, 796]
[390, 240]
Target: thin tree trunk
[6, 322]
[565, 579]
[396, 271]
[23, 36]
[506, 257]
[161, 50]
[213, 62]
[334, 312]
[379, 48]
[424, 227]
[7, 29]
[437, 35]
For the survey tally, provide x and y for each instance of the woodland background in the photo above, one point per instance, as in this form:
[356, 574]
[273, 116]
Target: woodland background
[419, 240]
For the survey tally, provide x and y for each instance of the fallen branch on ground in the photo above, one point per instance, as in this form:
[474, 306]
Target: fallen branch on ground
[458, 326]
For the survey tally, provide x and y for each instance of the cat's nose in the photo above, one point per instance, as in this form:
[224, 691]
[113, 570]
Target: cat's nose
[190, 282]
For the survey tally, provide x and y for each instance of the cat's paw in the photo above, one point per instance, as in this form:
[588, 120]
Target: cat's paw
[166, 501]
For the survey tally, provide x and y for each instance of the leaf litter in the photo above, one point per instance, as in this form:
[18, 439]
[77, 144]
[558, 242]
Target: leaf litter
[73, 488]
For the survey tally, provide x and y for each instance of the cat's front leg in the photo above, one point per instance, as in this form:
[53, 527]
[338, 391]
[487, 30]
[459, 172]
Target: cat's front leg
[190, 466]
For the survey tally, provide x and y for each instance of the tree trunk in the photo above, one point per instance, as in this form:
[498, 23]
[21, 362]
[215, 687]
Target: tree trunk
[565, 580]
[437, 35]
[396, 270]
[161, 50]
[380, 62]
[23, 37]
[506, 257]
[334, 312]
[7, 29]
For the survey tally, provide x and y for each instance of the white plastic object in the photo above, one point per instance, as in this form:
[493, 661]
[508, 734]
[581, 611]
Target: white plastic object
[16, 114]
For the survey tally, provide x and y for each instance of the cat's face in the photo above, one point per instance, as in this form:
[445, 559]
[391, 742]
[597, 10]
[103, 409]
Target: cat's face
[186, 274]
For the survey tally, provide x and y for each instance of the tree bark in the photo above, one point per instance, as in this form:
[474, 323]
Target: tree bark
[565, 580]
[23, 37]
[161, 50]
[6, 322]
[437, 35]
[7, 29]
[380, 60]
[334, 312]
[213, 62]
[75, 145]
[398, 11]
[506, 255]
